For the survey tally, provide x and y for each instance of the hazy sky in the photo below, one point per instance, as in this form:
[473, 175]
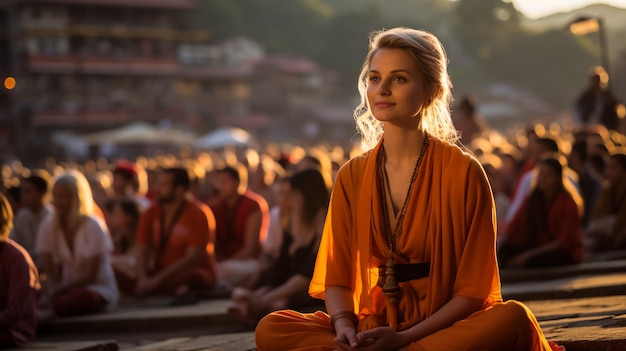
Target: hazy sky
[539, 8]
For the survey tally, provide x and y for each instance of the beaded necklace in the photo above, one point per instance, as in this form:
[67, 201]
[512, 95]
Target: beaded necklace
[391, 289]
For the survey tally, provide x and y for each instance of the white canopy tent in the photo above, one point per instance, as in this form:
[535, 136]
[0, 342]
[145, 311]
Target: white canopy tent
[140, 133]
[224, 137]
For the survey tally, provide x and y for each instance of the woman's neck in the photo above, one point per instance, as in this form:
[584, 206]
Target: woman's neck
[402, 144]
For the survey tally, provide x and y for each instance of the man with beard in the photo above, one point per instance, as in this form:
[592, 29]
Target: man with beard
[174, 243]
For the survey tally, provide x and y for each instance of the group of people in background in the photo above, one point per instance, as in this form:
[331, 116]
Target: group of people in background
[74, 239]
[83, 238]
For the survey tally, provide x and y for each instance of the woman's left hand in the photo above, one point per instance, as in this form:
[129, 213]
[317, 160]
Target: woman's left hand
[381, 338]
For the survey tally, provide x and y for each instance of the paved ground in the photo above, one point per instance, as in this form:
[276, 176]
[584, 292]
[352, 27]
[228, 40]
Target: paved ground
[584, 309]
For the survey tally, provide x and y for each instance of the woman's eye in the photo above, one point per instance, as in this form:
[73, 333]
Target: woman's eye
[399, 79]
[373, 79]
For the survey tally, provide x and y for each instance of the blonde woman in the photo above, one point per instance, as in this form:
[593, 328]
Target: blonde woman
[75, 251]
[407, 259]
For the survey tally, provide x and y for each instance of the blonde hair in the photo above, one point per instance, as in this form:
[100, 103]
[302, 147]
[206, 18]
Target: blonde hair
[6, 218]
[82, 200]
[431, 58]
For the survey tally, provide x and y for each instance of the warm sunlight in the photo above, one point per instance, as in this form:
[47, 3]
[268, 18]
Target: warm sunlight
[539, 8]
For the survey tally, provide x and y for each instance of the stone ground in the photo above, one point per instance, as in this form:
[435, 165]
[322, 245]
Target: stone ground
[582, 307]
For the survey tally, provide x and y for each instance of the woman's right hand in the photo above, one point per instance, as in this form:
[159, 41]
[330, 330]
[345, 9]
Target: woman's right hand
[346, 335]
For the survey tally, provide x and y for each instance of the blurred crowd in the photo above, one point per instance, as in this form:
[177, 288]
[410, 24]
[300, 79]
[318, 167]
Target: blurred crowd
[77, 238]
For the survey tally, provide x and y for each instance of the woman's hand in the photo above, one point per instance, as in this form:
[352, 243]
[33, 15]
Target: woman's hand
[381, 338]
[147, 285]
[346, 339]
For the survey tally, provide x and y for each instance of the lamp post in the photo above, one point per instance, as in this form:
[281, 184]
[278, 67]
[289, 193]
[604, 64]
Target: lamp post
[584, 25]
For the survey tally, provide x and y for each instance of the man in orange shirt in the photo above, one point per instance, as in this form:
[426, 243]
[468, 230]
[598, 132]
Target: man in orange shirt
[174, 242]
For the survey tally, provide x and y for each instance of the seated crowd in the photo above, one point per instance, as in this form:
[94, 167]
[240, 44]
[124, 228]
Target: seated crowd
[248, 225]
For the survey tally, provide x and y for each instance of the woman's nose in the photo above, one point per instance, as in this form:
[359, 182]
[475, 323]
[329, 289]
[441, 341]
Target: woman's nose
[383, 88]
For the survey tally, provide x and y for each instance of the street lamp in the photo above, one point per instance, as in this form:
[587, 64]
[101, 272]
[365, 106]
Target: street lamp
[584, 25]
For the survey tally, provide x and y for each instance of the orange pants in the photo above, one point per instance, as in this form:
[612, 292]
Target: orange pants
[504, 326]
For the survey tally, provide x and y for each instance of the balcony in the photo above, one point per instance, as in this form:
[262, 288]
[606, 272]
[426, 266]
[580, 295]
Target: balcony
[78, 64]
[119, 32]
[92, 118]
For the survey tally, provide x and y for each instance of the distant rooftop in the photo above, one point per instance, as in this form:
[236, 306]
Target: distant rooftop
[166, 4]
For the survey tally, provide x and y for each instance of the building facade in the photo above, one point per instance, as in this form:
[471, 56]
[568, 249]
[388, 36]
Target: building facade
[88, 65]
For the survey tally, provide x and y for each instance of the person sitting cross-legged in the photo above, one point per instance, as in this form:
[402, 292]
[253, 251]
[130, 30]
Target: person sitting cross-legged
[75, 248]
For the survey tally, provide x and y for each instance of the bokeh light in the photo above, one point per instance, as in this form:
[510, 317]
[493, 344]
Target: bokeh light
[9, 83]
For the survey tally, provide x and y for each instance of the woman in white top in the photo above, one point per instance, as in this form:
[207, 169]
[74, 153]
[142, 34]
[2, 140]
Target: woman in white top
[75, 250]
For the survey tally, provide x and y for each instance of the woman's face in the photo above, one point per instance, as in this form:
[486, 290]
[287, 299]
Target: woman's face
[282, 194]
[118, 220]
[395, 87]
[614, 172]
[62, 198]
[548, 180]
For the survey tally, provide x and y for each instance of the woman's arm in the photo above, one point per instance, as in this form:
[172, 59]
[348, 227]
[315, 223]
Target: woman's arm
[340, 299]
[295, 285]
[90, 268]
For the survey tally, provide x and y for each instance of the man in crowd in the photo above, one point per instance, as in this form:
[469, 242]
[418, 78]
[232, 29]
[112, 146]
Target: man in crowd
[173, 243]
[130, 180]
[242, 218]
[35, 208]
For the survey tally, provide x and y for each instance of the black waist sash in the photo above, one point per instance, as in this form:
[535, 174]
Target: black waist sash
[405, 272]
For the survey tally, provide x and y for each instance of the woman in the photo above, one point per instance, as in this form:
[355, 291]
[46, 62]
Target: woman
[279, 219]
[546, 231]
[75, 251]
[122, 217]
[607, 229]
[285, 283]
[413, 215]
[19, 281]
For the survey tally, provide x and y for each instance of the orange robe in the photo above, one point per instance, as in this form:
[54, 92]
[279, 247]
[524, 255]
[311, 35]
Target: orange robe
[450, 222]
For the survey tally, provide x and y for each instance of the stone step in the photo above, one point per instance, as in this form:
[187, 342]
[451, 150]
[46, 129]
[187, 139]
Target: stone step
[569, 287]
[213, 314]
[585, 324]
[588, 324]
[538, 274]
[140, 318]
[224, 342]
